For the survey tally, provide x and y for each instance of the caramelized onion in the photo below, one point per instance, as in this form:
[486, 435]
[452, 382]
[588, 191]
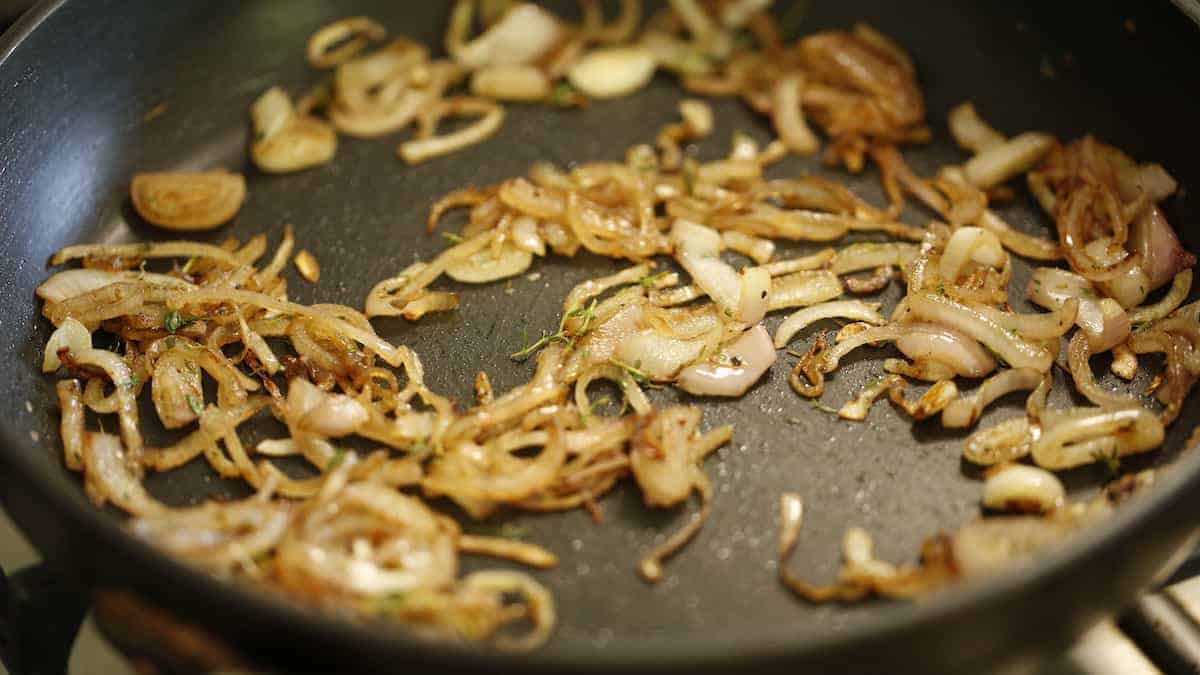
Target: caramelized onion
[490, 117]
[970, 130]
[965, 411]
[188, 201]
[1079, 436]
[613, 72]
[286, 141]
[1000, 162]
[1017, 352]
[855, 310]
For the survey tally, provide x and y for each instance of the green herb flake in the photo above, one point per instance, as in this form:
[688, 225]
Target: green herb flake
[170, 342]
[635, 371]
[174, 320]
[457, 239]
[512, 531]
[393, 602]
[1110, 460]
[195, 404]
[530, 350]
[651, 280]
[586, 414]
[339, 456]
[588, 314]
[421, 448]
[565, 95]
[816, 403]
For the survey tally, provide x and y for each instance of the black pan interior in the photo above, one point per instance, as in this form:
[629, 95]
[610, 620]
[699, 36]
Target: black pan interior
[75, 101]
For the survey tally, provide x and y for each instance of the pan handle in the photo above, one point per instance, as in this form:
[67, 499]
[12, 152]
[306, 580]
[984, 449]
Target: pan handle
[40, 616]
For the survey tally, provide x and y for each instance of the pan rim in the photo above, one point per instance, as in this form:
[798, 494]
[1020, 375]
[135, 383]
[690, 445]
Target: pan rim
[784, 643]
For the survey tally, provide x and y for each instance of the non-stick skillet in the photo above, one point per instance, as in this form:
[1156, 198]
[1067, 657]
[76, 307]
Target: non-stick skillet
[77, 80]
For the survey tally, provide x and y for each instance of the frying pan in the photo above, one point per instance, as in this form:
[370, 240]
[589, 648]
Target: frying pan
[77, 81]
